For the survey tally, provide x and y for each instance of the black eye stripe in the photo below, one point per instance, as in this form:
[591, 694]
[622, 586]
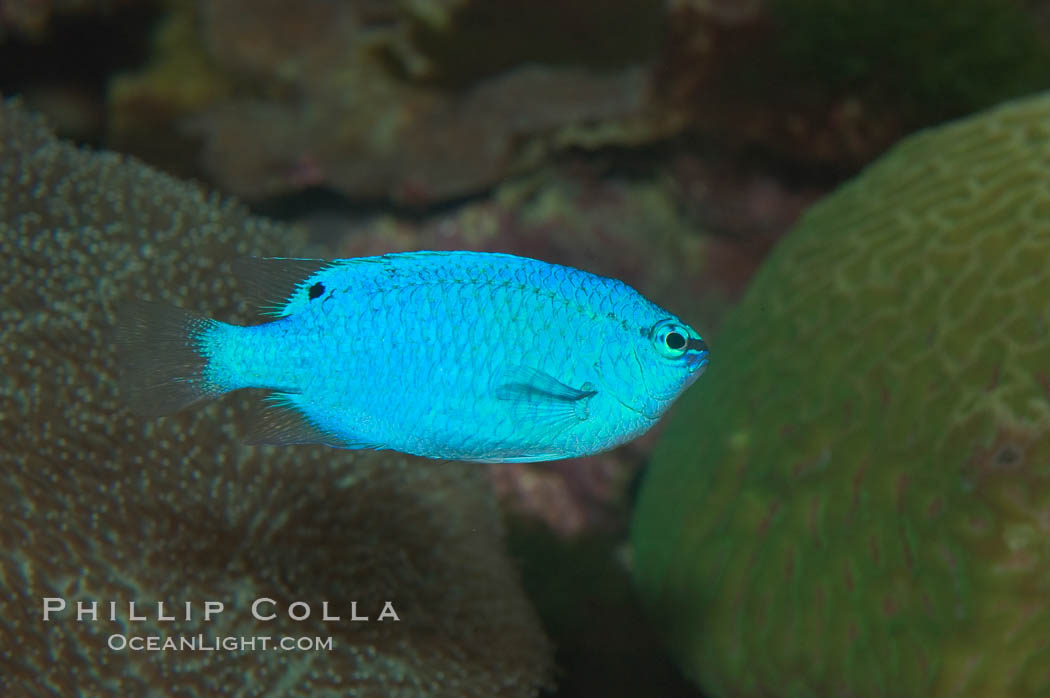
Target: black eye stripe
[696, 345]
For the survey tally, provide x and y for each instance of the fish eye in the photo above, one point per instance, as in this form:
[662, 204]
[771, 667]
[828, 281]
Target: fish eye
[671, 338]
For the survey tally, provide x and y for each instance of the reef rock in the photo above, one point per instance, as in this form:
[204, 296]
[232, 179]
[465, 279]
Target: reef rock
[375, 99]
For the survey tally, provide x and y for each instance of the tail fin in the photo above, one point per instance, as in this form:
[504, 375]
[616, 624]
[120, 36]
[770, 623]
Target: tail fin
[161, 363]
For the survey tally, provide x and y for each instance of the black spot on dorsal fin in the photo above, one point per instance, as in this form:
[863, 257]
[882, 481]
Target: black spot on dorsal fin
[268, 282]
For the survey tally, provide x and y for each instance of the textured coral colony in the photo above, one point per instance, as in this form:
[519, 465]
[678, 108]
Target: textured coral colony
[853, 501]
[881, 508]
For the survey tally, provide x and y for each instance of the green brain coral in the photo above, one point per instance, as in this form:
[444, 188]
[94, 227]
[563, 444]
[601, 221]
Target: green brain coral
[855, 500]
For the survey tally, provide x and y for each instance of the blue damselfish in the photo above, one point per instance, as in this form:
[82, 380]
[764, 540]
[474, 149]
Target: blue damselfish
[457, 355]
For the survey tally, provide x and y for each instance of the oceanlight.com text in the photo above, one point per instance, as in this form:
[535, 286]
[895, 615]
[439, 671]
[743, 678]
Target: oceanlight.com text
[201, 643]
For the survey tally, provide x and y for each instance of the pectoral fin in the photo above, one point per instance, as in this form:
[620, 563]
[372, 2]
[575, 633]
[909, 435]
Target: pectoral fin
[542, 400]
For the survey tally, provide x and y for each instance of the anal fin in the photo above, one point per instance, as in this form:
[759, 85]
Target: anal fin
[281, 422]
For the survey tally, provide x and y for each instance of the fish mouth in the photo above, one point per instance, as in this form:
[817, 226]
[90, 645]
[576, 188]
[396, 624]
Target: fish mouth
[697, 363]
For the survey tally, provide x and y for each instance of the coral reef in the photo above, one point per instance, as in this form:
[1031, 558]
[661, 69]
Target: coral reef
[854, 500]
[338, 95]
[424, 147]
[386, 100]
[98, 505]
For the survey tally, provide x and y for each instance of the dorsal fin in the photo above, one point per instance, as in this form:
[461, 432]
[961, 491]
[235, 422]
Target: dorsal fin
[269, 282]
